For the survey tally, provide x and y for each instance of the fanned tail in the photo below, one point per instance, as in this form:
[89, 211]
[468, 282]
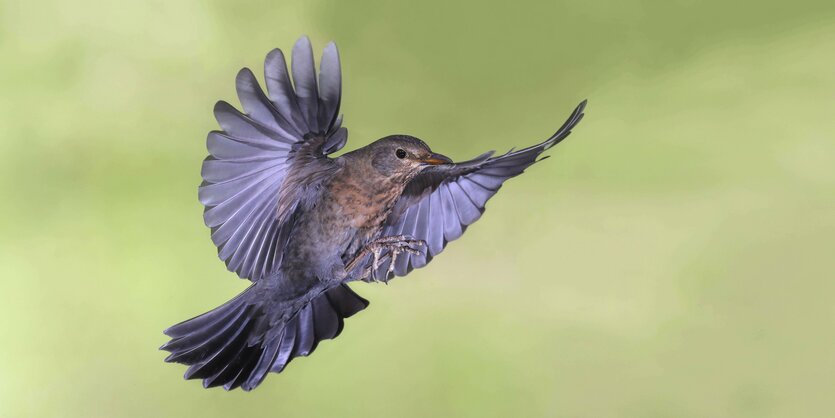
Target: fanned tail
[239, 342]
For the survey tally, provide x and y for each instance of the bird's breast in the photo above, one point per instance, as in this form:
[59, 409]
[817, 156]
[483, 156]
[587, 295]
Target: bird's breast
[347, 214]
[364, 203]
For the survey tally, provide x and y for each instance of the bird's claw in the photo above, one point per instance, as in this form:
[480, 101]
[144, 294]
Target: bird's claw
[395, 245]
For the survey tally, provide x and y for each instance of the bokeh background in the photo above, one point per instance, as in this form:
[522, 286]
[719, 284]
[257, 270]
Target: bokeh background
[674, 258]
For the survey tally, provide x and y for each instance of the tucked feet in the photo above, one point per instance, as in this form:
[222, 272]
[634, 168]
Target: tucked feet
[382, 248]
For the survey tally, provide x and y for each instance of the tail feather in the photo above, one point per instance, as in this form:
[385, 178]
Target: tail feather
[207, 320]
[305, 339]
[286, 348]
[326, 322]
[268, 357]
[238, 343]
[345, 301]
[230, 364]
[223, 351]
[197, 346]
[237, 369]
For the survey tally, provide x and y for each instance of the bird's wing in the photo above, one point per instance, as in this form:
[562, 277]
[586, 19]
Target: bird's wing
[438, 205]
[262, 159]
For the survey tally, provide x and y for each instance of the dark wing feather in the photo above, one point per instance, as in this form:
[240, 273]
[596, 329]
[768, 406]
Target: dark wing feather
[438, 205]
[285, 135]
[304, 81]
[330, 87]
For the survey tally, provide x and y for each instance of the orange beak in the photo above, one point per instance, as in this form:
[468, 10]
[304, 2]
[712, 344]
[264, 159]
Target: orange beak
[435, 159]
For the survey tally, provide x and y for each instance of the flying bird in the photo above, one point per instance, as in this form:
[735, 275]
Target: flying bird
[301, 225]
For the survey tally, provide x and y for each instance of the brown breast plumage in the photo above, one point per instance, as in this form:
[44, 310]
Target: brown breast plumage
[365, 200]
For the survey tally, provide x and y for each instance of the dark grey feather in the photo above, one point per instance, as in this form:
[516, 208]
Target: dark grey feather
[281, 91]
[259, 108]
[307, 333]
[245, 129]
[330, 87]
[304, 81]
[326, 323]
[288, 344]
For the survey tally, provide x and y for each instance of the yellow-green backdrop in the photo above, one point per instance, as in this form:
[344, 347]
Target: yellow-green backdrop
[674, 258]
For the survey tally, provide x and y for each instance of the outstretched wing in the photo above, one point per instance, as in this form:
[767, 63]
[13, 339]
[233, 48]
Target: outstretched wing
[438, 205]
[259, 153]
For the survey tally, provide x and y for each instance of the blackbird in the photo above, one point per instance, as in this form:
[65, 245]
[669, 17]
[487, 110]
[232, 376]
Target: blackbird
[301, 225]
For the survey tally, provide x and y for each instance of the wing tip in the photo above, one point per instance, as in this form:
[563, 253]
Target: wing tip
[274, 54]
[331, 46]
[222, 106]
[569, 124]
[245, 75]
[302, 42]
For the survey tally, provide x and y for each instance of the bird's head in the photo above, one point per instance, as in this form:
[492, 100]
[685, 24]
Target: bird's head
[403, 157]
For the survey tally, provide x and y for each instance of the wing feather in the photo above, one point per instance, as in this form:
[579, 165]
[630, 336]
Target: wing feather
[281, 91]
[304, 81]
[258, 106]
[280, 136]
[438, 205]
[330, 83]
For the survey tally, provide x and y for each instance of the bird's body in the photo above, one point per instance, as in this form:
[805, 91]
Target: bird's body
[301, 225]
[347, 210]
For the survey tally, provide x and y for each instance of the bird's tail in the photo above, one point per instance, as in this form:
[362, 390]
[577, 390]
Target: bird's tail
[239, 342]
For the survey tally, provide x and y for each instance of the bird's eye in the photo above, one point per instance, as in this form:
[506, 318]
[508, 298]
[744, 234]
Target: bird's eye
[400, 153]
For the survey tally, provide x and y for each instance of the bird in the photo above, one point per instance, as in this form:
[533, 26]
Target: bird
[301, 225]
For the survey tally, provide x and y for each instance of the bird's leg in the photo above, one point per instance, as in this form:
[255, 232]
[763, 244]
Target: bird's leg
[394, 244]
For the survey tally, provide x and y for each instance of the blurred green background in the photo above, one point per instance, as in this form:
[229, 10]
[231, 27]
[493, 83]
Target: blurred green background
[673, 259]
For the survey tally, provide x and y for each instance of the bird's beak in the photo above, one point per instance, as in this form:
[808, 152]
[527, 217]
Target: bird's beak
[435, 159]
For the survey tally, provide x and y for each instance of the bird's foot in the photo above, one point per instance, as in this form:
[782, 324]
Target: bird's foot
[386, 247]
[396, 245]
